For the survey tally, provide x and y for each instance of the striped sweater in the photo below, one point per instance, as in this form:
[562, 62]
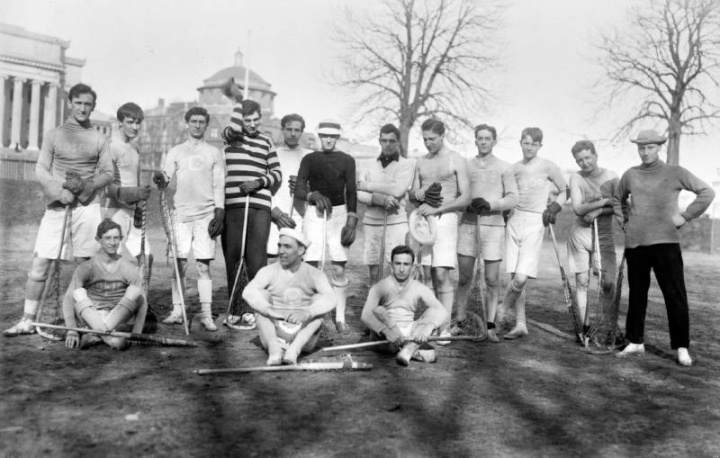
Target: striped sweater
[251, 158]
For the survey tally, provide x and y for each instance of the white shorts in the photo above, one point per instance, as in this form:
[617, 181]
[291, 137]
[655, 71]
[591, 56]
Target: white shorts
[394, 236]
[274, 236]
[443, 251]
[579, 247]
[313, 231]
[80, 232]
[488, 241]
[523, 243]
[132, 236]
[194, 235]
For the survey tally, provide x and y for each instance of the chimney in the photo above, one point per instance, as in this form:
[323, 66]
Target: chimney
[239, 58]
[161, 103]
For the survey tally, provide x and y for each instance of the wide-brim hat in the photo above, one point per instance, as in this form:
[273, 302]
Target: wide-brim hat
[329, 127]
[649, 137]
[295, 234]
[422, 228]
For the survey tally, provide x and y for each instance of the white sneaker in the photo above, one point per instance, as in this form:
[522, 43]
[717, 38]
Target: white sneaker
[445, 333]
[404, 356]
[173, 318]
[632, 350]
[24, 326]
[425, 356]
[208, 323]
[492, 336]
[683, 357]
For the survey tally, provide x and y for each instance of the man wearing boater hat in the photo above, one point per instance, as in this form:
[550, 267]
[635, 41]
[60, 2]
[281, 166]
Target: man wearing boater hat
[646, 206]
[326, 180]
[289, 297]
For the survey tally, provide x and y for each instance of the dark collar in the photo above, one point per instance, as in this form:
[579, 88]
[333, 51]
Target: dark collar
[386, 160]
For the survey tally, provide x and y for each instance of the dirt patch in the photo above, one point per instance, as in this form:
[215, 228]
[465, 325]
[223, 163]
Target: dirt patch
[538, 396]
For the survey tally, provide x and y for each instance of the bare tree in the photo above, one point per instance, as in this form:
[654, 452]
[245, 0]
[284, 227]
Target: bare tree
[420, 58]
[666, 57]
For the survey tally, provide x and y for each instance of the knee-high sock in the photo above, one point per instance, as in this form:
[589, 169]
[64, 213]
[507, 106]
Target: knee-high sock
[205, 293]
[341, 298]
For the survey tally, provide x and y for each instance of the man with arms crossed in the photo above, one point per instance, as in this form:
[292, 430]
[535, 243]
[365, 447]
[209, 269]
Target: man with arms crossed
[524, 234]
[199, 202]
[332, 194]
[391, 306]
[105, 292]
[287, 211]
[383, 189]
[72, 168]
[290, 298]
[591, 195]
[444, 166]
[646, 206]
[482, 228]
[125, 191]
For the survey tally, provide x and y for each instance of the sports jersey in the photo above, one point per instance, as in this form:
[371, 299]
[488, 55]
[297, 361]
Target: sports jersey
[402, 303]
[533, 182]
[106, 278]
[290, 165]
[332, 174]
[594, 188]
[126, 165]
[396, 176]
[489, 179]
[247, 159]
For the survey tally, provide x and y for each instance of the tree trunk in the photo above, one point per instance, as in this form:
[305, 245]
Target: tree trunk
[405, 137]
[673, 144]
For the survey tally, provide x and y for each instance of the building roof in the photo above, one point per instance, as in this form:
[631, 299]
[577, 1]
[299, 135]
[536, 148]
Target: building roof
[238, 73]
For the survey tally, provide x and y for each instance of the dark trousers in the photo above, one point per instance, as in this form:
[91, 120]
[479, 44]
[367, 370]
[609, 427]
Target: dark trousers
[258, 228]
[666, 261]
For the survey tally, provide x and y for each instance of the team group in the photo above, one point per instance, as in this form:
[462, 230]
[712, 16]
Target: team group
[301, 207]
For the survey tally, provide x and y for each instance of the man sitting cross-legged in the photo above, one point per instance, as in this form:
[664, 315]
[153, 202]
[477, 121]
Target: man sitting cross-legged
[391, 306]
[289, 297]
[105, 291]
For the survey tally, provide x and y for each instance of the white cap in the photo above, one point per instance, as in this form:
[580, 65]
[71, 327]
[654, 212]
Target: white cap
[295, 234]
[329, 127]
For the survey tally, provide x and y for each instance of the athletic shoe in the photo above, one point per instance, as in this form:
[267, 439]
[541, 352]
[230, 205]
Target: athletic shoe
[632, 349]
[246, 322]
[174, 318]
[683, 357]
[404, 356]
[208, 323]
[290, 358]
[516, 333]
[443, 342]
[492, 336]
[24, 326]
[425, 356]
[342, 327]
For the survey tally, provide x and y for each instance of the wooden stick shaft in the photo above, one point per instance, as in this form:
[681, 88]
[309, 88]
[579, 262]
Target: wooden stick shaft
[383, 342]
[174, 248]
[126, 335]
[327, 366]
[242, 256]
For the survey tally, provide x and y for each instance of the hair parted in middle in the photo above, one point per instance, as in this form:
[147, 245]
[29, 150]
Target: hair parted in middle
[197, 111]
[434, 125]
[582, 145]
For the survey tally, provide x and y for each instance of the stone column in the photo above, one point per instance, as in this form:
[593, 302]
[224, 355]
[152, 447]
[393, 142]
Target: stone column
[34, 116]
[49, 121]
[3, 124]
[16, 112]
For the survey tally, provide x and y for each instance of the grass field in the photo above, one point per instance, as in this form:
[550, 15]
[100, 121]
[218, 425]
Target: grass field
[538, 396]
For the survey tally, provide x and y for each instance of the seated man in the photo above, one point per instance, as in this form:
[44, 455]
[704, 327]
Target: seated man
[105, 291]
[289, 297]
[390, 310]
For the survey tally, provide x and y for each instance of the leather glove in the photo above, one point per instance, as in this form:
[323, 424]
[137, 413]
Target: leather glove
[138, 217]
[432, 195]
[394, 335]
[479, 206]
[132, 194]
[281, 219]
[159, 179]
[217, 224]
[248, 187]
[347, 235]
[73, 182]
[321, 202]
[380, 200]
[550, 214]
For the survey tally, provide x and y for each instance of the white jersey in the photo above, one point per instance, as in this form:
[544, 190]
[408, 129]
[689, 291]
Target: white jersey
[289, 164]
[126, 169]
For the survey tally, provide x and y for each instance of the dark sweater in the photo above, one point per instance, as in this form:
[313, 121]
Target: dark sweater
[332, 174]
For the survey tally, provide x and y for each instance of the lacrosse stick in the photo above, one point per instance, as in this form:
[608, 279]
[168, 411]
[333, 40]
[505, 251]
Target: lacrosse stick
[166, 341]
[52, 288]
[324, 366]
[144, 267]
[240, 273]
[328, 325]
[567, 290]
[605, 331]
[474, 321]
[383, 342]
[170, 232]
[381, 267]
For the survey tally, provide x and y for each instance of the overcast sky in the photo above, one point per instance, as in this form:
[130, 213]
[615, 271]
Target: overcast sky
[139, 50]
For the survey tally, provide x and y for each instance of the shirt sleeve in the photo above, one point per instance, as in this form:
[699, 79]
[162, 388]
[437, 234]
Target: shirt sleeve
[273, 178]
[350, 186]
[51, 186]
[105, 168]
[324, 300]
[703, 192]
[219, 179]
[435, 314]
[509, 199]
[372, 302]
[301, 191]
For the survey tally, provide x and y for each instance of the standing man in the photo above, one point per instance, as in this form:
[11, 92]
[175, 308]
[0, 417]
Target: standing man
[287, 211]
[199, 203]
[383, 189]
[482, 228]
[646, 206]
[290, 298]
[326, 180]
[444, 166]
[253, 170]
[591, 195]
[125, 191]
[391, 306]
[73, 167]
[524, 235]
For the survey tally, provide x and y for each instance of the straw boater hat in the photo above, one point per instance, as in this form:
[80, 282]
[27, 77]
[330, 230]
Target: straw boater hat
[329, 127]
[649, 137]
[295, 234]
[422, 228]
